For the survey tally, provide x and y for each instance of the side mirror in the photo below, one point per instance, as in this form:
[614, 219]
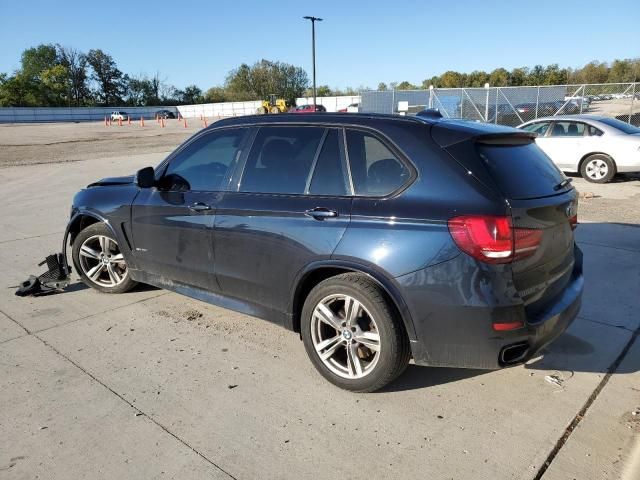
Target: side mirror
[145, 178]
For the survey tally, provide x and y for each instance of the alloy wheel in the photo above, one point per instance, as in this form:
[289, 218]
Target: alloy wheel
[597, 169]
[345, 336]
[102, 262]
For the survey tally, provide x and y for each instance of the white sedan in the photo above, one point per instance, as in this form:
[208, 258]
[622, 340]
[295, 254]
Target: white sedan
[597, 147]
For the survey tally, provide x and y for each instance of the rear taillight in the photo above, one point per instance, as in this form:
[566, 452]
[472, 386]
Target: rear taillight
[493, 239]
[573, 221]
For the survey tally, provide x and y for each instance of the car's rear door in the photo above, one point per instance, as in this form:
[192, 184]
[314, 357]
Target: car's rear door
[291, 207]
[172, 223]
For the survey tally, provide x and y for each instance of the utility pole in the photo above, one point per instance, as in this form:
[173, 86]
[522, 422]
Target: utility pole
[313, 52]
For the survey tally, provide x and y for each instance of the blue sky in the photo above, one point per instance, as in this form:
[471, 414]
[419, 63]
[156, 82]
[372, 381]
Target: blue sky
[359, 43]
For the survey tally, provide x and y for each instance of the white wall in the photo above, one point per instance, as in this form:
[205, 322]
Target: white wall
[332, 104]
[72, 114]
[224, 109]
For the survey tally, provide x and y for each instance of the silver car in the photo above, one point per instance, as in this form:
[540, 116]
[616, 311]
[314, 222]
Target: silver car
[597, 147]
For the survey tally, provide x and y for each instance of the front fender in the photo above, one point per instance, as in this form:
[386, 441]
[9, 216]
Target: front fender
[73, 227]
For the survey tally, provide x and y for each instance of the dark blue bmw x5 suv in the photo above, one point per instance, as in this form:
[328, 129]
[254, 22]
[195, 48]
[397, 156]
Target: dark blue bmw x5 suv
[377, 238]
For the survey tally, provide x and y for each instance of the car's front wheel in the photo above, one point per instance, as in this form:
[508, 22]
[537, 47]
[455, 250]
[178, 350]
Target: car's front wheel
[598, 168]
[351, 334]
[99, 260]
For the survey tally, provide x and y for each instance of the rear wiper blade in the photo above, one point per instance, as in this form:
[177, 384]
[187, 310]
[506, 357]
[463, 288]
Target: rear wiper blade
[563, 183]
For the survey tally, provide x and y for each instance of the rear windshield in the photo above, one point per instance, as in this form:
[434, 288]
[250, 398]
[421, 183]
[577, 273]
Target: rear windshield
[521, 171]
[620, 125]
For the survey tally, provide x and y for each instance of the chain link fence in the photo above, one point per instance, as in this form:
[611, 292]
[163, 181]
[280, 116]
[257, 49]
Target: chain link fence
[512, 105]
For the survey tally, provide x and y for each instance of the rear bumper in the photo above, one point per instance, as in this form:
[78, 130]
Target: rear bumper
[454, 326]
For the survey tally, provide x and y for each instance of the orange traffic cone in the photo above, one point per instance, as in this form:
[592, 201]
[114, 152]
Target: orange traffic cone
[128, 119]
[204, 120]
[105, 121]
[185, 122]
[119, 121]
[162, 122]
[109, 121]
[158, 118]
[178, 116]
[141, 121]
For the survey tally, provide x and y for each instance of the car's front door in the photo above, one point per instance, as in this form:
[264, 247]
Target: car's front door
[292, 208]
[172, 222]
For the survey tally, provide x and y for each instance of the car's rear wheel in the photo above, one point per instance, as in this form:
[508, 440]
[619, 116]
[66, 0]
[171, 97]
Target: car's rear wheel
[598, 168]
[99, 260]
[351, 334]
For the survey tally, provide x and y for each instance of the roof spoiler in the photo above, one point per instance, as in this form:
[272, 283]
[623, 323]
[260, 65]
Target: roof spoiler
[429, 113]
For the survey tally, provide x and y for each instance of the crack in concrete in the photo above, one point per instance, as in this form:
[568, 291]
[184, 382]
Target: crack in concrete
[97, 380]
[585, 408]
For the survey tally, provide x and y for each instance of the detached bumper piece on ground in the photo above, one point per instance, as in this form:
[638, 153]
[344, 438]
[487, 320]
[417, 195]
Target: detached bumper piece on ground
[56, 278]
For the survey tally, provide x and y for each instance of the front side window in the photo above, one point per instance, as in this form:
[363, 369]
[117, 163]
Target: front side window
[567, 129]
[203, 165]
[540, 128]
[281, 159]
[375, 169]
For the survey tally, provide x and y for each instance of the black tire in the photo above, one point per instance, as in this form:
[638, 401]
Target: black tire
[394, 353]
[88, 235]
[598, 168]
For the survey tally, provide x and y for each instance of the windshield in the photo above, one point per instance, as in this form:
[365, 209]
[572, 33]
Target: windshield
[620, 125]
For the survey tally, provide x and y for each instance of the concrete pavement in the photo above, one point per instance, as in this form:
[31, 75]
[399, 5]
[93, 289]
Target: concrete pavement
[150, 384]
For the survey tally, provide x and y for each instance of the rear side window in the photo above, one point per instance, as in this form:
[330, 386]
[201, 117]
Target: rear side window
[521, 171]
[281, 159]
[329, 176]
[375, 170]
[593, 131]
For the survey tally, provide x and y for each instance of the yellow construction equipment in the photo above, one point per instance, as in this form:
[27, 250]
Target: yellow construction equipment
[273, 105]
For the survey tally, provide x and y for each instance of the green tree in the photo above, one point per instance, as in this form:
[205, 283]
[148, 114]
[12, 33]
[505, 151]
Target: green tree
[406, 86]
[264, 78]
[621, 71]
[76, 64]
[554, 75]
[518, 77]
[36, 64]
[324, 91]
[451, 79]
[215, 95]
[191, 95]
[55, 82]
[499, 78]
[16, 91]
[477, 78]
[110, 81]
[382, 87]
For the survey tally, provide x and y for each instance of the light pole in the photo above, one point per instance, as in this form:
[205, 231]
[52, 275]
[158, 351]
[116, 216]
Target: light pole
[313, 53]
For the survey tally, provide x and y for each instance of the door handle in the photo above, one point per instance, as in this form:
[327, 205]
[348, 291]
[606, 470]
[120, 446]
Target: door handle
[199, 207]
[320, 213]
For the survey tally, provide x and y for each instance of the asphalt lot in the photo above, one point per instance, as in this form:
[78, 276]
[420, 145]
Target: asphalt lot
[150, 384]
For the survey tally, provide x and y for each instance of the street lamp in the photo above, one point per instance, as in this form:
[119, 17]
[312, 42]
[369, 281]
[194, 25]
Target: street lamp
[313, 52]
